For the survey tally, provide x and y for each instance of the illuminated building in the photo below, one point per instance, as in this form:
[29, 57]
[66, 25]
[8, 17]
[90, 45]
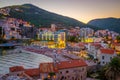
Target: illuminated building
[89, 40]
[116, 46]
[53, 39]
[46, 36]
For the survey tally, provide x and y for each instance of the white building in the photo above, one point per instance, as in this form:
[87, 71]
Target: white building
[104, 56]
[93, 48]
[86, 32]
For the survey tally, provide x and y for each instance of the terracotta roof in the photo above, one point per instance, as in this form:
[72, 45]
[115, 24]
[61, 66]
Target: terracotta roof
[96, 44]
[107, 51]
[48, 67]
[16, 68]
[71, 64]
[116, 44]
[81, 45]
[32, 72]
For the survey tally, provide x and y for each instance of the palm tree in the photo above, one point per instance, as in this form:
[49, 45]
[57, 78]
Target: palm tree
[112, 70]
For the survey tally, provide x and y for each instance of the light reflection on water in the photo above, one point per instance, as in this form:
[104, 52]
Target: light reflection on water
[27, 60]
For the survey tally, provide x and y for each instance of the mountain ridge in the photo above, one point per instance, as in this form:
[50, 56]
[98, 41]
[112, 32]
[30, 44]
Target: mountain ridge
[44, 18]
[41, 17]
[107, 23]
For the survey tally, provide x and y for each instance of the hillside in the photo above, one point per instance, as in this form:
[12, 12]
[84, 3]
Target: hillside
[107, 23]
[40, 17]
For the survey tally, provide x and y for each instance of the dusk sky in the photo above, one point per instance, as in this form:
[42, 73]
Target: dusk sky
[82, 10]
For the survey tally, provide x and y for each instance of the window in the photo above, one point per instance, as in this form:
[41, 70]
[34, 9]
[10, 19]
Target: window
[67, 71]
[103, 62]
[82, 69]
[102, 57]
[60, 72]
[110, 58]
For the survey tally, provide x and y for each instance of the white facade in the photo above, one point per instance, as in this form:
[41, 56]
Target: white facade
[86, 32]
[105, 58]
[93, 48]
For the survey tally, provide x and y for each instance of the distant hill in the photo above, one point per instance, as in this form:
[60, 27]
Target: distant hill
[41, 17]
[107, 23]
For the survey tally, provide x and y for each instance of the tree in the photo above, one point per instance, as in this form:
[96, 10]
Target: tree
[118, 38]
[112, 70]
[102, 73]
[73, 39]
[51, 74]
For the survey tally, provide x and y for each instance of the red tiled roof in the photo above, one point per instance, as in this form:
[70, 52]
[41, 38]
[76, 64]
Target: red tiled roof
[32, 72]
[96, 44]
[116, 44]
[48, 67]
[71, 64]
[16, 68]
[81, 45]
[107, 51]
